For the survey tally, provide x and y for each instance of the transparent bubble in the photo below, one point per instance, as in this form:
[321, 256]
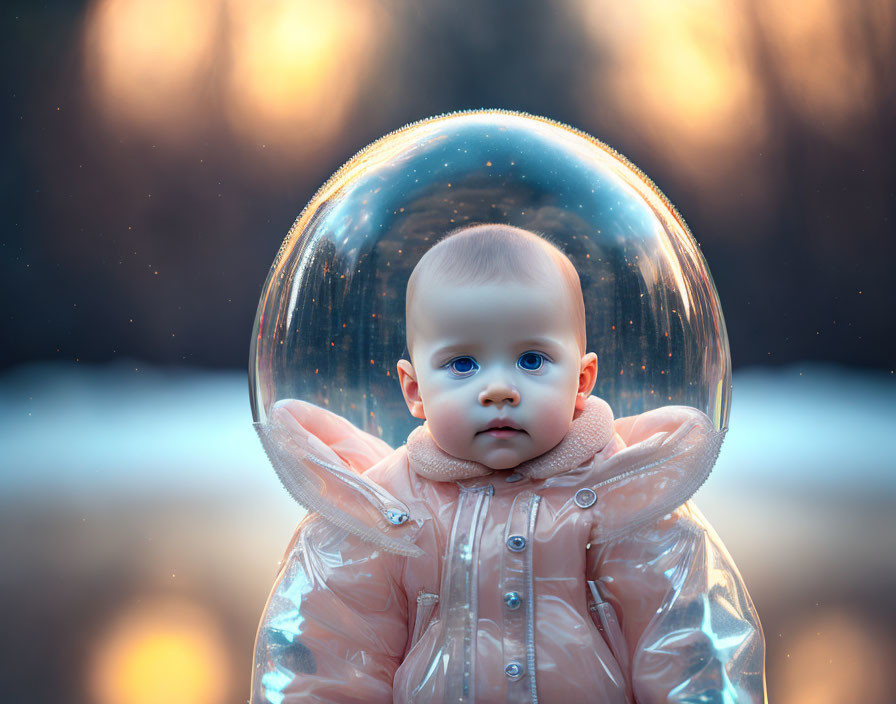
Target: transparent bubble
[330, 322]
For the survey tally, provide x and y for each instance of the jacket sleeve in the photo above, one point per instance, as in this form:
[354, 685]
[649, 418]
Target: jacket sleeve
[692, 632]
[335, 626]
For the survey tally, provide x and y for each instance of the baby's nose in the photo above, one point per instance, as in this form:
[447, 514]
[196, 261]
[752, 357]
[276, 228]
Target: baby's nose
[497, 393]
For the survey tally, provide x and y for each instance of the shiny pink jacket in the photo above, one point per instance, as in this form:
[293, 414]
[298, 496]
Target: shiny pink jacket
[551, 583]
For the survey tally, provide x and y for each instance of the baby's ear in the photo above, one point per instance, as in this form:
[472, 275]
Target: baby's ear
[407, 377]
[587, 377]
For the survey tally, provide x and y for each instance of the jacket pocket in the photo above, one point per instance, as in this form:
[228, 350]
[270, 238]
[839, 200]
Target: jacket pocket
[426, 605]
[604, 617]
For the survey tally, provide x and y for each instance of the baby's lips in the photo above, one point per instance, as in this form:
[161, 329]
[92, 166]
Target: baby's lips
[502, 424]
[503, 428]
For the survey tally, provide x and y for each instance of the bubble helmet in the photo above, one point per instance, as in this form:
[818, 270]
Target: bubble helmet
[330, 322]
[330, 328]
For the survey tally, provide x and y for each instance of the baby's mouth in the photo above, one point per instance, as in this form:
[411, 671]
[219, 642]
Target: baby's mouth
[502, 432]
[499, 429]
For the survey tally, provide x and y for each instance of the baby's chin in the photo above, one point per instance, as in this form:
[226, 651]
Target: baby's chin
[495, 458]
[503, 459]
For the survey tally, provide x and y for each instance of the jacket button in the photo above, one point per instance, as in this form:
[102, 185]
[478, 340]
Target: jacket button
[516, 543]
[513, 600]
[397, 516]
[513, 670]
[585, 498]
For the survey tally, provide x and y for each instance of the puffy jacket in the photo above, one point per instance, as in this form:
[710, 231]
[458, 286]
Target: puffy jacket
[424, 578]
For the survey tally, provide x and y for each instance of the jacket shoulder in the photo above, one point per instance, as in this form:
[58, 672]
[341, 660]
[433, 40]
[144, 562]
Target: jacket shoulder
[395, 474]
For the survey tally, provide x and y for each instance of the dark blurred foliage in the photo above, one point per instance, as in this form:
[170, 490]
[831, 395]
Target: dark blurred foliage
[151, 240]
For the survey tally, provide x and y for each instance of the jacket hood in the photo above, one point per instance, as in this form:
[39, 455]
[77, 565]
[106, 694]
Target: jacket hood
[641, 468]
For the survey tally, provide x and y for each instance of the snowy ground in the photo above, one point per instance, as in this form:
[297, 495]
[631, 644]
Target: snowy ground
[121, 428]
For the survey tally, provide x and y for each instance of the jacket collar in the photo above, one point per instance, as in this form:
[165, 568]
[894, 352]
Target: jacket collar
[590, 431]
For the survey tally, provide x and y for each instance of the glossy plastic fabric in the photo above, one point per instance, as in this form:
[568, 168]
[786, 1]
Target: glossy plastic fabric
[319, 458]
[507, 600]
[330, 322]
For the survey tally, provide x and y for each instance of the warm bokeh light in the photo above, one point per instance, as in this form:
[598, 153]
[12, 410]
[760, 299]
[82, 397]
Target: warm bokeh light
[147, 59]
[714, 86]
[297, 65]
[275, 72]
[814, 45]
[836, 657]
[680, 74]
[161, 652]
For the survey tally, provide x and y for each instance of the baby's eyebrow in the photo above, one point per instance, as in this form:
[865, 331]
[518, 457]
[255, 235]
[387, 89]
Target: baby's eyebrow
[541, 343]
[452, 349]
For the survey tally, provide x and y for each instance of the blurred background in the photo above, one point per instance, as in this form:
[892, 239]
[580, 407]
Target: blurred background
[157, 151]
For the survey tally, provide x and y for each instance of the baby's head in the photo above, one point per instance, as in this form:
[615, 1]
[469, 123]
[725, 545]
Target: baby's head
[496, 335]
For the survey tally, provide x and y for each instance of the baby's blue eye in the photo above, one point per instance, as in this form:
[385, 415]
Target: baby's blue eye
[531, 361]
[463, 366]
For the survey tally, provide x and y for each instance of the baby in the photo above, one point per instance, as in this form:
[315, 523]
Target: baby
[523, 545]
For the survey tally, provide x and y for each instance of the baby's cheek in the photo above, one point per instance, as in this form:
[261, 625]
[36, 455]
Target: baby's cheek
[446, 407]
[556, 416]
[446, 417]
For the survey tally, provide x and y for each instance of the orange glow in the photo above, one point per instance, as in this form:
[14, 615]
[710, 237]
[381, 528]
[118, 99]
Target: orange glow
[297, 64]
[274, 71]
[680, 73]
[146, 58]
[825, 75]
[697, 79]
[838, 657]
[165, 652]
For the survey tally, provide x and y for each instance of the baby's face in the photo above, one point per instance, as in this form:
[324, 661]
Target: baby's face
[496, 369]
